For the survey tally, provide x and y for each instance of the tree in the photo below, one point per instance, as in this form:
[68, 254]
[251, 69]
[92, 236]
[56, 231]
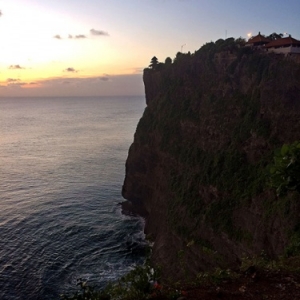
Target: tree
[275, 36]
[285, 172]
[153, 63]
[240, 41]
[168, 61]
[178, 56]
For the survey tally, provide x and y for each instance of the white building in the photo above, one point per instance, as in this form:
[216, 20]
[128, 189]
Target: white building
[285, 46]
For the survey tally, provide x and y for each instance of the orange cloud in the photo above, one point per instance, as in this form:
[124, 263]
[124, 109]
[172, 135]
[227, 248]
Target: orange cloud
[16, 67]
[72, 70]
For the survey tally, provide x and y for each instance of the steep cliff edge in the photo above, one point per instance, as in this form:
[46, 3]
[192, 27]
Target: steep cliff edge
[197, 168]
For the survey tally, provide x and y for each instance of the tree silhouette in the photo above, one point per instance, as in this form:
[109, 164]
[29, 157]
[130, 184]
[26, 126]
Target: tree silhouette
[275, 36]
[168, 61]
[153, 63]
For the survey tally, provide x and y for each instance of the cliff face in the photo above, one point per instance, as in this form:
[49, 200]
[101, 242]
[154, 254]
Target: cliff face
[198, 165]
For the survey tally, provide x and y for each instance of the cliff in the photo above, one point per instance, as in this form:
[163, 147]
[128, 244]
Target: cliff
[198, 166]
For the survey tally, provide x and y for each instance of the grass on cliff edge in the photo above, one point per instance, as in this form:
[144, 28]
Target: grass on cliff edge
[256, 275]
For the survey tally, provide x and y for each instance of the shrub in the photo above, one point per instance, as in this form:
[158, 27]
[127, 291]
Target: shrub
[285, 172]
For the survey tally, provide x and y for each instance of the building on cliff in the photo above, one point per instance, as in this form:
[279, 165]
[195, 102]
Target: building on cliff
[286, 46]
[257, 41]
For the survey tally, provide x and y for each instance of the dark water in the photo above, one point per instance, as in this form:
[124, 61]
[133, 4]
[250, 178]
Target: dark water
[62, 165]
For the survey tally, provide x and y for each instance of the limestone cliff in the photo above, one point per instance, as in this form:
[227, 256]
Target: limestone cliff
[198, 164]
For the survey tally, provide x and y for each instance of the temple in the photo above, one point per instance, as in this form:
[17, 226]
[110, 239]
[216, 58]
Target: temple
[257, 41]
[287, 45]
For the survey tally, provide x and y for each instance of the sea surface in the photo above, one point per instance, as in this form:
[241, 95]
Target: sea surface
[62, 166]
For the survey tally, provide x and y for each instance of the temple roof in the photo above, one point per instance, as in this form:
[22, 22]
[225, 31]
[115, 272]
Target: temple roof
[258, 39]
[283, 42]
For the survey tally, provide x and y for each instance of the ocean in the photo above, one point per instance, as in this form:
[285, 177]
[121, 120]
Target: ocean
[62, 166]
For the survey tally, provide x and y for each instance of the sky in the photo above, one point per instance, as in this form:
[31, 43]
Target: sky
[100, 48]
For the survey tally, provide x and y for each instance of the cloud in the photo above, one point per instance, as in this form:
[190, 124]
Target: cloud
[80, 36]
[16, 67]
[15, 83]
[10, 80]
[103, 78]
[101, 85]
[98, 32]
[72, 70]
[0, 13]
[83, 36]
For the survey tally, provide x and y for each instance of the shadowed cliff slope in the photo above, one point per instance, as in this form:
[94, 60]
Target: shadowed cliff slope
[198, 166]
